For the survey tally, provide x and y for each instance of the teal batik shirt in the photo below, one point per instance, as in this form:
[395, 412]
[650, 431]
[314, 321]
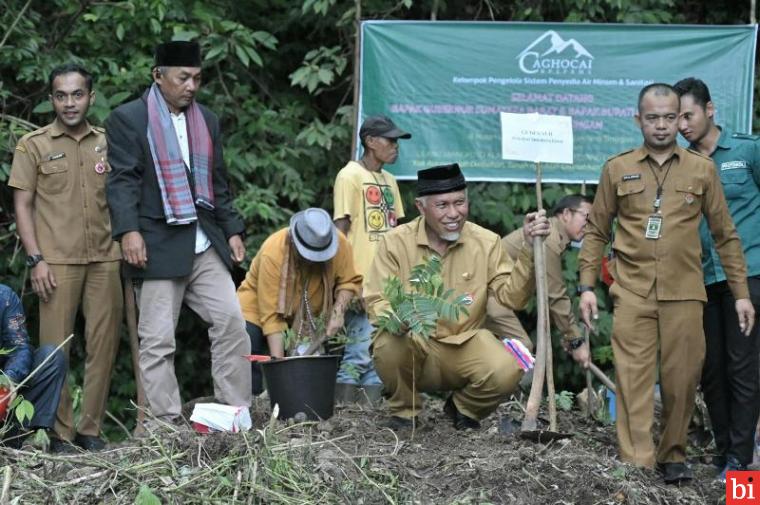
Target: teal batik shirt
[737, 159]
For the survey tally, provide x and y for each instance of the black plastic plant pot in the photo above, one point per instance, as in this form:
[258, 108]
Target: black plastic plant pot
[302, 384]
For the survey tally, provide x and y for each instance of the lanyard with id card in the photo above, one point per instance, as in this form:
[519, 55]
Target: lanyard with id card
[654, 223]
[654, 227]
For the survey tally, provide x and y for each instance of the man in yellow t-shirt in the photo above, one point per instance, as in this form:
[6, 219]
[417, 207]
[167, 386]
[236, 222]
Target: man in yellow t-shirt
[367, 204]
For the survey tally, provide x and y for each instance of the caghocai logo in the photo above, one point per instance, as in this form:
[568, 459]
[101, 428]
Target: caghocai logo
[551, 54]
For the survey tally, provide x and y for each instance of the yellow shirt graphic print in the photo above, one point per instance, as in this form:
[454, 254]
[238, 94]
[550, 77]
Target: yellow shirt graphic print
[372, 202]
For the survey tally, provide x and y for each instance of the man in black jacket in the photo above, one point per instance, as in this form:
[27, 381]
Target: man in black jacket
[172, 211]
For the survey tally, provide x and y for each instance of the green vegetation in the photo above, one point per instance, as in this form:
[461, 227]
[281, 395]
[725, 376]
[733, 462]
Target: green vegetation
[418, 311]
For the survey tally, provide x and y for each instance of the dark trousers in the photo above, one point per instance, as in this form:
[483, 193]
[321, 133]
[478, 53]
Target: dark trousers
[730, 375]
[44, 388]
[259, 345]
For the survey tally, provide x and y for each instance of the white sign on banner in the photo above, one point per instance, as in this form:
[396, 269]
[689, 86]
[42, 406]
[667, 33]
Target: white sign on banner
[537, 138]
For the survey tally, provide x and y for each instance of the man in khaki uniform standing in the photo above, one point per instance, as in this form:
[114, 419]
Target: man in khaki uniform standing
[462, 356]
[567, 224]
[658, 193]
[59, 176]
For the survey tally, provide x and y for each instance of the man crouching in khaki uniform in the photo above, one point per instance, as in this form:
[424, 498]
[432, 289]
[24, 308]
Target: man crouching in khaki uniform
[461, 357]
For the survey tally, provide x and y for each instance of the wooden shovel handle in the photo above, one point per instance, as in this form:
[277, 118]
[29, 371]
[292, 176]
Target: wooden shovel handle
[602, 377]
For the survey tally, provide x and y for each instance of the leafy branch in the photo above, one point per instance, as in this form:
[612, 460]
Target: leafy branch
[419, 310]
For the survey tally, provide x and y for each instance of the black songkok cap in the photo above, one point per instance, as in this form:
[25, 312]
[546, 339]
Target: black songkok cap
[440, 179]
[382, 126]
[178, 53]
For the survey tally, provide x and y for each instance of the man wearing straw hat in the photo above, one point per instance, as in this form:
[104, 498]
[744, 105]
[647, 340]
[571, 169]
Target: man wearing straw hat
[172, 211]
[658, 193]
[302, 278]
[462, 356]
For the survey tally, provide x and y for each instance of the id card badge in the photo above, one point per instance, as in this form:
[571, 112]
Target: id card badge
[654, 227]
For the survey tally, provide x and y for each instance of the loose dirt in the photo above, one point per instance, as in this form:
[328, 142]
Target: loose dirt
[352, 458]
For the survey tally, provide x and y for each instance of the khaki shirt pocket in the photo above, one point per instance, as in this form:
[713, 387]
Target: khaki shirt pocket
[689, 195]
[631, 195]
[53, 176]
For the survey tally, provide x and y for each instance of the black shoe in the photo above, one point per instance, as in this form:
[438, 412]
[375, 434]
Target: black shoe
[461, 421]
[61, 446]
[732, 465]
[719, 462]
[89, 443]
[675, 473]
[397, 423]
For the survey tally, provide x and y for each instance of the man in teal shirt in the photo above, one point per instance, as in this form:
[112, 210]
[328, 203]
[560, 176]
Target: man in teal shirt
[730, 375]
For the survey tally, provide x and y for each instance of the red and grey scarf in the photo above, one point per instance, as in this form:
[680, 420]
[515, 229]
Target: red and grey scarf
[179, 207]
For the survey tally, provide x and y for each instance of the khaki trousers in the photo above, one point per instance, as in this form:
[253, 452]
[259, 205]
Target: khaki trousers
[209, 292]
[480, 371]
[97, 288]
[505, 323]
[639, 325]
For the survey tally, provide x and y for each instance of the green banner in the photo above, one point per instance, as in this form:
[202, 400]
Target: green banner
[446, 82]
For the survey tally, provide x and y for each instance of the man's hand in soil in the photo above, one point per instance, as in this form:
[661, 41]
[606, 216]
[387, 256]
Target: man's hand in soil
[589, 309]
[746, 312]
[237, 247]
[133, 249]
[43, 281]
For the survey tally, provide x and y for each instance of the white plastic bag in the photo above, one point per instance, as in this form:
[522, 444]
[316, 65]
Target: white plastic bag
[218, 417]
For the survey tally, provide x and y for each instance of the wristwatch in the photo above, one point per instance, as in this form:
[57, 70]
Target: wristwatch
[33, 259]
[575, 343]
[582, 288]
